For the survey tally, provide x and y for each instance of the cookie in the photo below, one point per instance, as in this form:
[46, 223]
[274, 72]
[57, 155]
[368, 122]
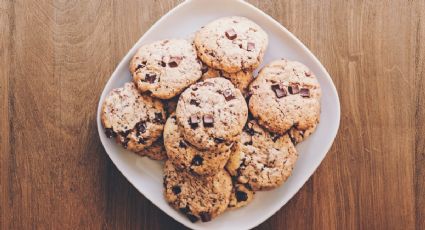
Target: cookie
[285, 95]
[240, 80]
[156, 151]
[211, 114]
[134, 119]
[165, 68]
[197, 197]
[185, 156]
[241, 196]
[267, 159]
[231, 44]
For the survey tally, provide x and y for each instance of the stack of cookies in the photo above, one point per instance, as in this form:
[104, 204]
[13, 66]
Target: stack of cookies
[222, 133]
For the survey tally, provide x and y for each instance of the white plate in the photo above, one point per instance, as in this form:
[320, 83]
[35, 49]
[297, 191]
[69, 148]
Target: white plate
[146, 175]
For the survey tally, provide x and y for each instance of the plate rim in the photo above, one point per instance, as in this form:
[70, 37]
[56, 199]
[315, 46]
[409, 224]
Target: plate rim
[270, 19]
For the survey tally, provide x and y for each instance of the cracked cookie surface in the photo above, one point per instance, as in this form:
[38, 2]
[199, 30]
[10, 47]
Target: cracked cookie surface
[211, 114]
[199, 198]
[165, 68]
[231, 44]
[133, 119]
[285, 95]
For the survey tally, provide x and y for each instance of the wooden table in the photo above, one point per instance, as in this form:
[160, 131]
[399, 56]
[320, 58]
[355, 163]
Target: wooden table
[56, 56]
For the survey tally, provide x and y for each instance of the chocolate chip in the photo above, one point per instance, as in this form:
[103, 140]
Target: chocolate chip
[194, 102]
[231, 34]
[248, 143]
[204, 68]
[125, 133]
[279, 90]
[176, 189]
[150, 77]
[293, 89]
[250, 46]
[163, 64]
[218, 140]
[208, 120]
[192, 218]
[182, 144]
[228, 95]
[139, 66]
[144, 62]
[141, 127]
[197, 160]
[205, 216]
[141, 141]
[184, 210]
[158, 118]
[194, 88]
[174, 61]
[304, 92]
[194, 121]
[241, 196]
[109, 132]
[125, 142]
[307, 73]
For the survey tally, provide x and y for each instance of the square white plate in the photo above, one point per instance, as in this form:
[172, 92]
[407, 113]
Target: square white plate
[185, 19]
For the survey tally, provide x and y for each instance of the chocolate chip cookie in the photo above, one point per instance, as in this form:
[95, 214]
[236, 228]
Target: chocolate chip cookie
[285, 95]
[134, 119]
[165, 68]
[211, 114]
[185, 156]
[267, 159]
[240, 79]
[197, 197]
[231, 44]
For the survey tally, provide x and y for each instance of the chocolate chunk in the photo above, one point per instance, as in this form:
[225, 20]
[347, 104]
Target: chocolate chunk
[293, 89]
[192, 218]
[150, 77]
[241, 196]
[194, 102]
[194, 121]
[194, 88]
[141, 127]
[139, 66]
[184, 210]
[205, 216]
[174, 61]
[304, 92]
[176, 189]
[197, 160]
[163, 64]
[144, 62]
[125, 142]
[218, 140]
[250, 46]
[307, 74]
[182, 144]
[204, 68]
[141, 141]
[158, 118]
[231, 34]
[228, 95]
[208, 120]
[248, 143]
[109, 132]
[125, 133]
[279, 90]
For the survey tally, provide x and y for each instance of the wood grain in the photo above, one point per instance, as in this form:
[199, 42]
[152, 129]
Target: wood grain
[56, 57]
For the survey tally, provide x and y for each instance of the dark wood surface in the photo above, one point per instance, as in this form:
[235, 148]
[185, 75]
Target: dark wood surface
[56, 56]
